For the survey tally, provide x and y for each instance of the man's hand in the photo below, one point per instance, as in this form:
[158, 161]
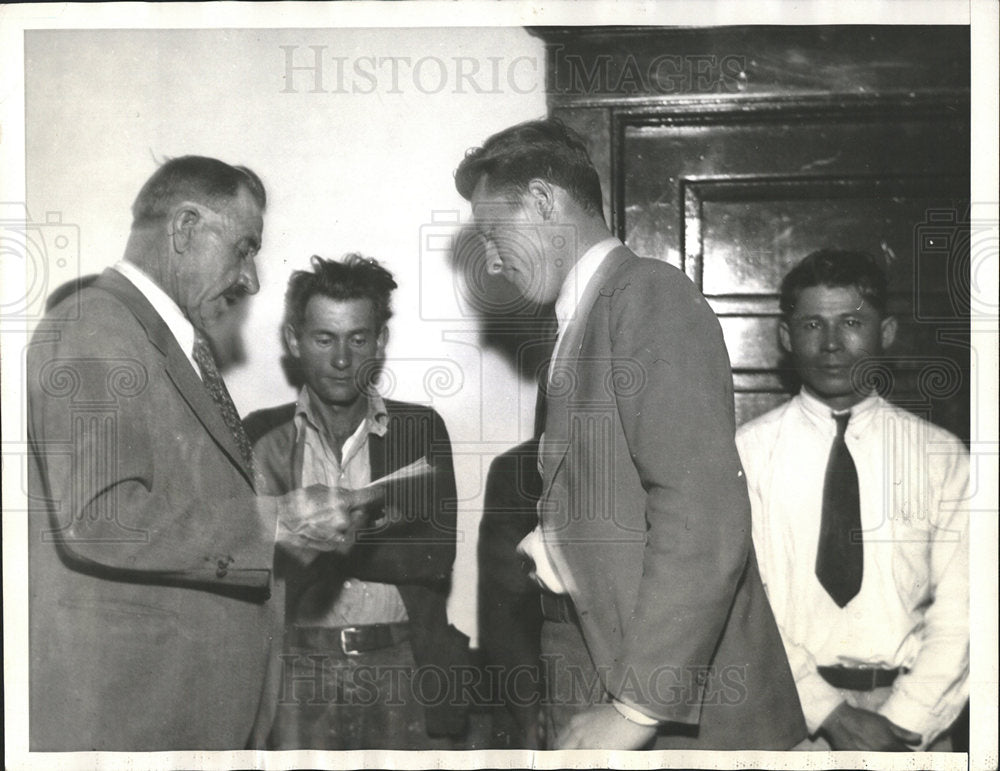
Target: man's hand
[602, 727]
[320, 518]
[850, 728]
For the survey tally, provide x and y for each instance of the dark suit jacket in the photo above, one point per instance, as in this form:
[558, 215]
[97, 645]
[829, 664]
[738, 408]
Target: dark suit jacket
[645, 514]
[510, 617]
[150, 564]
[415, 554]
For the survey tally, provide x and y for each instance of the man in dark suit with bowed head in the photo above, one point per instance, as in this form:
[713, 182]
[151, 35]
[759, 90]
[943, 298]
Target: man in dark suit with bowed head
[153, 611]
[657, 630]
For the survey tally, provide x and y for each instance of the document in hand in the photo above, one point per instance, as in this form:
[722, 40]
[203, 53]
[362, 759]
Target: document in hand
[401, 493]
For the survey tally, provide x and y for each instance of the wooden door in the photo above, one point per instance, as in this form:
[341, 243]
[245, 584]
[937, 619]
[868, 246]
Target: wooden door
[735, 188]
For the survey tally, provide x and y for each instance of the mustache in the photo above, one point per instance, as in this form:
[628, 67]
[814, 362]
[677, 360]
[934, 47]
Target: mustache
[235, 293]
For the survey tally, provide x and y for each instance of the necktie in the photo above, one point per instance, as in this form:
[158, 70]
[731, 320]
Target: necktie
[216, 388]
[840, 556]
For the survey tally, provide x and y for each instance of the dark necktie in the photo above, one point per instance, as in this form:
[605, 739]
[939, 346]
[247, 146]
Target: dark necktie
[216, 388]
[840, 556]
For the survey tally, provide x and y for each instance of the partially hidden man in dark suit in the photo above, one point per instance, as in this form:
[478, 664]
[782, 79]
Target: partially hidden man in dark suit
[658, 631]
[153, 609]
[510, 617]
[371, 660]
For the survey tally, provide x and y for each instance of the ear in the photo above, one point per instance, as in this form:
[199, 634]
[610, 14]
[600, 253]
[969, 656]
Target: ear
[785, 335]
[183, 224]
[291, 340]
[380, 342]
[541, 198]
[889, 328]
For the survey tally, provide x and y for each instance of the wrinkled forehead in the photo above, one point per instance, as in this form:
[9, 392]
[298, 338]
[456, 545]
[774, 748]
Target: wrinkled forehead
[353, 313]
[241, 215]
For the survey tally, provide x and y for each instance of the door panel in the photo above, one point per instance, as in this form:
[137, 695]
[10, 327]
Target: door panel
[732, 152]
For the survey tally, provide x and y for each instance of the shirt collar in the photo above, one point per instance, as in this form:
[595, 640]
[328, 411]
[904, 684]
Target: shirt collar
[376, 421]
[578, 277]
[166, 308]
[821, 415]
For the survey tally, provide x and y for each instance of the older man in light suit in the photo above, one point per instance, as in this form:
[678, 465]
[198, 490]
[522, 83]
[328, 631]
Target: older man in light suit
[658, 632]
[153, 609]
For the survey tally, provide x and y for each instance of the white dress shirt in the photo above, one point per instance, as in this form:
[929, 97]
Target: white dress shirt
[166, 308]
[912, 609]
[575, 284]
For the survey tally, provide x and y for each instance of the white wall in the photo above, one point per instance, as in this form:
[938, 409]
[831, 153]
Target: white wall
[361, 162]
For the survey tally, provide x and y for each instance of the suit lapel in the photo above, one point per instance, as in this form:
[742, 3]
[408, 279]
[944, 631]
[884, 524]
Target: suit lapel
[176, 364]
[563, 386]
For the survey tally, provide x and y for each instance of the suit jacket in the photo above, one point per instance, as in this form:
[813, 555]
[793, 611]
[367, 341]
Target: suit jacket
[150, 564]
[646, 517]
[510, 616]
[415, 554]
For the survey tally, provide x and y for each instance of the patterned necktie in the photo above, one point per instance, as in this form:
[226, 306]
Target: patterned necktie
[216, 388]
[840, 556]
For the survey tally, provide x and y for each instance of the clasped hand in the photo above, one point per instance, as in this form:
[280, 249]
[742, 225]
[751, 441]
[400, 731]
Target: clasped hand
[322, 518]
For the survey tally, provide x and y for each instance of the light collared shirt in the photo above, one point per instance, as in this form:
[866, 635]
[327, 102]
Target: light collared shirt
[575, 284]
[912, 609]
[355, 601]
[165, 308]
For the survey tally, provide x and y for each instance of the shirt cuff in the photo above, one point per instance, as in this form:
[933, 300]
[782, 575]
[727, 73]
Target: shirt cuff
[913, 716]
[533, 546]
[818, 699]
[633, 715]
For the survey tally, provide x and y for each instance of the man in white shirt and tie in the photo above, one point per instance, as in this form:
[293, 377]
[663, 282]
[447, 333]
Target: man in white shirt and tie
[860, 525]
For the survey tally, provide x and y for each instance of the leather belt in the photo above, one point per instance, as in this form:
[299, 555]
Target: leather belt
[354, 640]
[558, 608]
[859, 678]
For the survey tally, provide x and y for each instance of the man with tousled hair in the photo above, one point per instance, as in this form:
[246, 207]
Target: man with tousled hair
[367, 630]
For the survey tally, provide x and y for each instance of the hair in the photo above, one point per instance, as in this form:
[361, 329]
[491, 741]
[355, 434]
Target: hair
[193, 178]
[354, 277]
[832, 268]
[545, 149]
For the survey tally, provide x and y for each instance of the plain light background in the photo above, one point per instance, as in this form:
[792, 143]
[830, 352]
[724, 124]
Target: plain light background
[357, 154]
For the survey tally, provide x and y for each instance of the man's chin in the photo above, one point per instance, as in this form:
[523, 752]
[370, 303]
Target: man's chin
[835, 395]
[210, 314]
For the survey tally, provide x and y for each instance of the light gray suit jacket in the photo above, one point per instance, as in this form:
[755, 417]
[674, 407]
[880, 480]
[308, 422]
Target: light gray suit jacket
[645, 514]
[151, 620]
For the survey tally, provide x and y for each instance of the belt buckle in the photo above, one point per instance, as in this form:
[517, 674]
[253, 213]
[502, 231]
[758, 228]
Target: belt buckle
[345, 646]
